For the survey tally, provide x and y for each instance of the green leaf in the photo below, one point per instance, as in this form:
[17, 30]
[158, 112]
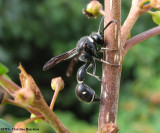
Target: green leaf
[5, 126]
[155, 16]
[3, 69]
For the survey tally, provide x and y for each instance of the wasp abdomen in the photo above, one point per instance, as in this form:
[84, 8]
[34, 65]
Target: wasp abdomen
[81, 73]
[86, 94]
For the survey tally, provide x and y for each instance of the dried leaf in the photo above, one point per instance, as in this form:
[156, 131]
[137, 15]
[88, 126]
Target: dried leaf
[26, 80]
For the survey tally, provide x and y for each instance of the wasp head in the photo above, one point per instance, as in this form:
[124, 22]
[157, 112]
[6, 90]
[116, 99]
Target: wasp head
[97, 38]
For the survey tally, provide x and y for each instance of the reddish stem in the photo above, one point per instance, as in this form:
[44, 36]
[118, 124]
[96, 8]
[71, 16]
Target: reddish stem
[29, 108]
[8, 85]
[111, 74]
[54, 98]
[135, 11]
[141, 37]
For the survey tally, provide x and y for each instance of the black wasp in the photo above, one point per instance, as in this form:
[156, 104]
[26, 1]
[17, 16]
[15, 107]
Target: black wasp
[86, 51]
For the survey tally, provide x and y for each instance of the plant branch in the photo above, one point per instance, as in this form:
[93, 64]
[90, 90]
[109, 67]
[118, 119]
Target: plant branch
[111, 73]
[8, 85]
[136, 10]
[141, 37]
[29, 108]
[39, 103]
[49, 115]
[54, 99]
[32, 119]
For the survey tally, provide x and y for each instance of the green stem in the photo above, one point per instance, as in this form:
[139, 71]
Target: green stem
[151, 13]
[32, 119]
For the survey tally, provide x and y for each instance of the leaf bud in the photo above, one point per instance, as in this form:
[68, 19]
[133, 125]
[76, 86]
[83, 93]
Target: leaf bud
[24, 96]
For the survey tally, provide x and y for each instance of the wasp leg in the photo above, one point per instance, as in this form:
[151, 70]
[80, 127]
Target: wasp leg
[93, 64]
[106, 62]
[104, 48]
[84, 69]
[95, 76]
[94, 67]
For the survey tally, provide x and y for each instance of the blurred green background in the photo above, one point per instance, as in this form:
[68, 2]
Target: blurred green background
[31, 32]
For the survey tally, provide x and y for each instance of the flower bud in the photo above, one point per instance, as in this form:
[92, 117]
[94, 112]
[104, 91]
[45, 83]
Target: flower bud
[20, 127]
[24, 96]
[94, 8]
[57, 83]
[155, 16]
[155, 4]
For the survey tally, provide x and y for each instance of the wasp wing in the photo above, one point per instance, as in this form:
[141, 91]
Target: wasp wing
[73, 62]
[71, 65]
[55, 60]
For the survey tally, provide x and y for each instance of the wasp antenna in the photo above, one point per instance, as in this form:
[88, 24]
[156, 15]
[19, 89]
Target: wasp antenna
[99, 29]
[112, 21]
[46, 66]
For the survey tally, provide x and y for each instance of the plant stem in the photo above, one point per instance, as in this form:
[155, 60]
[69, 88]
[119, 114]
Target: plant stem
[29, 108]
[133, 15]
[54, 98]
[8, 85]
[102, 12]
[48, 114]
[141, 37]
[115, 38]
[32, 119]
[143, 2]
[151, 13]
[111, 74]
[40, 104]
